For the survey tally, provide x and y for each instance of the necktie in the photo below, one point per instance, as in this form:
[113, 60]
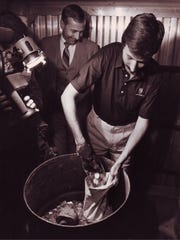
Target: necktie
[66, 55]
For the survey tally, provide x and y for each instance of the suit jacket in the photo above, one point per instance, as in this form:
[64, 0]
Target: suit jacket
[54, 77]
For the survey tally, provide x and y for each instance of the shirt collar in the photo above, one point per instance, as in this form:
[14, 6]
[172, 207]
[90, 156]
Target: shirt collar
[139, 77]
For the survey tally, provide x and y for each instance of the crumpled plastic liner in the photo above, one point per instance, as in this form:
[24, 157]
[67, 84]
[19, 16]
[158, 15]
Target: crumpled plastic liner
[96, 205]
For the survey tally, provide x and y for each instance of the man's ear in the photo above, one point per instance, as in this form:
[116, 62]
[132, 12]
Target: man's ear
[62, 24]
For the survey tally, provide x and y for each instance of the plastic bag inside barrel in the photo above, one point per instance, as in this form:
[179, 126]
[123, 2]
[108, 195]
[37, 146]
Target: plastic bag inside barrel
[96, 206]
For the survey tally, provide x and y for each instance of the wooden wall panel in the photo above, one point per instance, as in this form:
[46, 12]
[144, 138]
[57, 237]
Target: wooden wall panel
[108, 24]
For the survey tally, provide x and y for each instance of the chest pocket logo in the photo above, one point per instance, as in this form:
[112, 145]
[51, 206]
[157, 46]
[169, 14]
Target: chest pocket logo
[140, 92]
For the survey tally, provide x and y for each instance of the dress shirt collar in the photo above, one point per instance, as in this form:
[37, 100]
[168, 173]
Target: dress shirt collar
[71, 48]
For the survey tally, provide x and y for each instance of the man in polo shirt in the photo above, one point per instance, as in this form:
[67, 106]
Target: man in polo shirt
[125, 82]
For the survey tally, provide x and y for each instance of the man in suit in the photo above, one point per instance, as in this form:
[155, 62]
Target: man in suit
[66, 54]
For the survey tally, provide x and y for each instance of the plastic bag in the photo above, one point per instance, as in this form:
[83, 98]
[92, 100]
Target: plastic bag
[96, 204]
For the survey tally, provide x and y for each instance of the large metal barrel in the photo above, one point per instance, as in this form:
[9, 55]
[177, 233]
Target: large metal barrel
[61, 178]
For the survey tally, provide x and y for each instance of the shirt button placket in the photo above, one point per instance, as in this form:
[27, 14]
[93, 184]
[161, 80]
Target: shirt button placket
[126, 76]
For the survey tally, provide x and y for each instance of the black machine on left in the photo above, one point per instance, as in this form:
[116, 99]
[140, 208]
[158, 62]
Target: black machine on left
[16, 63]
[19, 55]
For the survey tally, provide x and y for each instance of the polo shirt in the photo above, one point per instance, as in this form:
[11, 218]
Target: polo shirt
[116, 99]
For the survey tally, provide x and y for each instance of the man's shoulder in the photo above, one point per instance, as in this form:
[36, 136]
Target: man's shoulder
[153, 68]
[88, 43]
[50, 39]
[113, 46]
[50, 44]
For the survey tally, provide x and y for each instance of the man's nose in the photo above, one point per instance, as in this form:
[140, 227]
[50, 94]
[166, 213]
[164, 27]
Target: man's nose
[133, 66]
[77, 35]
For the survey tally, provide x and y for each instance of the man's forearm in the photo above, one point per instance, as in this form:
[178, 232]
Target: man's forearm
[69, 107]
[136, 136]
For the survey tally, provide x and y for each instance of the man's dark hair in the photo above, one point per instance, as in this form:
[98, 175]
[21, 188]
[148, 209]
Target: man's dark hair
[143, 35]
[74, 11]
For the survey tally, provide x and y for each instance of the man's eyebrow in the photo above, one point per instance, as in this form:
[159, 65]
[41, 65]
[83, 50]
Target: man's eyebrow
[75, 30]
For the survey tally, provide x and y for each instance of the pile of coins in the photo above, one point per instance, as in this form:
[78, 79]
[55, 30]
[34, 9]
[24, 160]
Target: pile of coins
[66, 213]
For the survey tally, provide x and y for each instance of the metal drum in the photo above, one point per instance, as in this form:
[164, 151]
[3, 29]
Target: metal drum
[62, 178]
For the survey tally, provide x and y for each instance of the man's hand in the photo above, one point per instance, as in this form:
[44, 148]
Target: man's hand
[30, 103]
[5, 104]
[91, 163]
[85, 151]
[115, 168]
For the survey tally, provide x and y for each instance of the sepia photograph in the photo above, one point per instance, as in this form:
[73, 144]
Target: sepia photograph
[90, 119]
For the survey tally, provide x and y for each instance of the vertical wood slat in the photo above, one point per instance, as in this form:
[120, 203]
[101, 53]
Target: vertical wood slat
[40, 26]
[99, 28]
[52, 25]
[93, 35]
[113, 29]
[176, 60]
[165, 48]
[120, 27]
[107, 29]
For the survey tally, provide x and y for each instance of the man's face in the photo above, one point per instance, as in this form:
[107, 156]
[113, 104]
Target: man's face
[72, 31]
[131, 62]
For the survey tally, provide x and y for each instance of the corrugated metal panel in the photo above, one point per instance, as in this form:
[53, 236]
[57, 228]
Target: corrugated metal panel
[107, 29]
[52, 25]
